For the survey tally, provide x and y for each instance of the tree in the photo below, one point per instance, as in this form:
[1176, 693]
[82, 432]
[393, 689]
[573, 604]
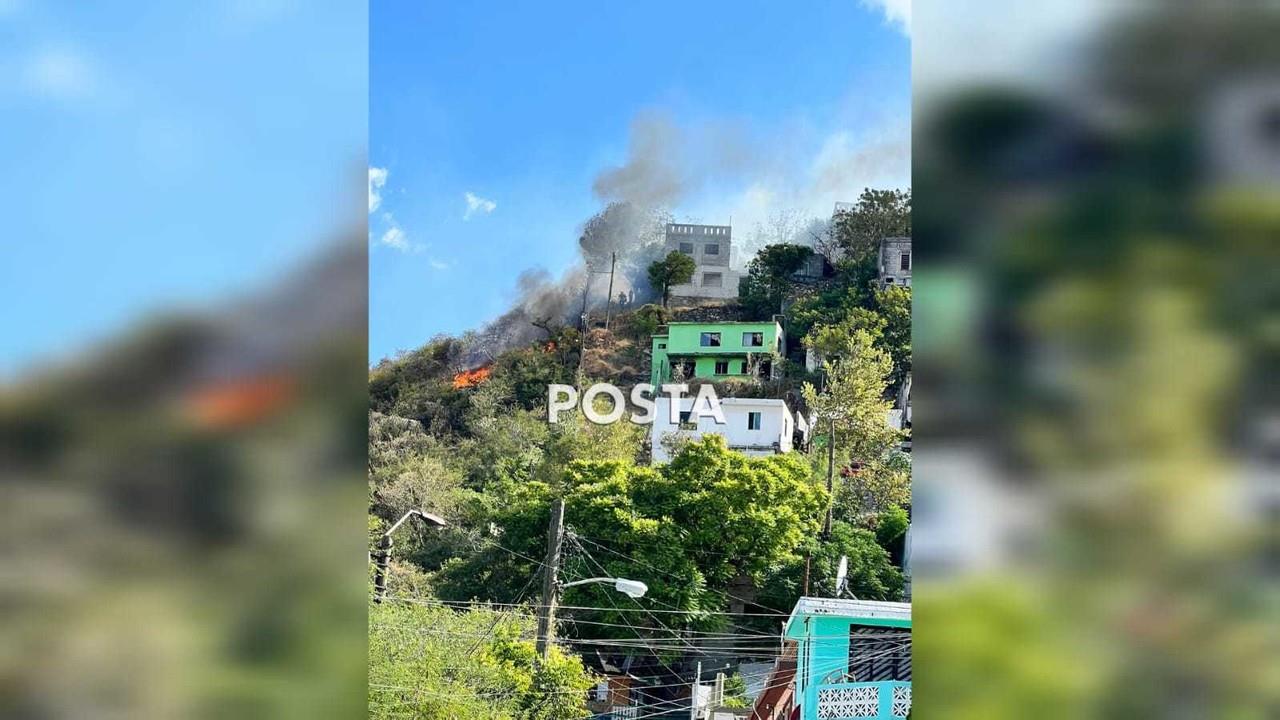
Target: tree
[688, 529]
[852, 400]
[871, 573]
[674, 269]
[764, 289]
[432, 662]
[876, 215]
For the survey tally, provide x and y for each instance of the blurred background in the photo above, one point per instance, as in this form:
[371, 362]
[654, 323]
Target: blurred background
[182, 367]
[182, 420]
[1097, 421]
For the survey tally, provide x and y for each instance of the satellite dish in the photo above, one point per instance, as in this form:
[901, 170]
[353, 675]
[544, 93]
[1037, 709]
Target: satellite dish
[842, 575]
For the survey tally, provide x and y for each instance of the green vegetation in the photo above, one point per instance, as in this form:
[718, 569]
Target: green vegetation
[763, 290]
[462, 432]
[674, 269]
[432, 662]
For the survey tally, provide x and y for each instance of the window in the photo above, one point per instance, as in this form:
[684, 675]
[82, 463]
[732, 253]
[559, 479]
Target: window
[710, 339]
[722, 367]
[686, 248]
[712, 279]
[888, 281]
[744, 367]
[752, 339]
[877, 654]
[753, 421]
[662, 346]
[711, 249]
[906, 261]
[686, 420]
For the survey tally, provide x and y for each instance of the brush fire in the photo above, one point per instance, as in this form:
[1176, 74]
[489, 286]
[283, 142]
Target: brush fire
[471, 378]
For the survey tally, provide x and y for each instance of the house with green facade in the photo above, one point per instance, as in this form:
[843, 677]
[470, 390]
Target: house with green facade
[853, 658]
[717, 351]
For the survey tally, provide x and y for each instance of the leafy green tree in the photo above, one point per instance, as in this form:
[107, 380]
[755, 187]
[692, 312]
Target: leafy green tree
[528, 371]
[876, 215]
[852, 401]
[687, 529]
[674, 269]
[768, 278]
[893, 304]
[871, 574]
[479, 664]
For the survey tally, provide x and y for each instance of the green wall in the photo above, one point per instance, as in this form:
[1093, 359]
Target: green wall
[685, 340]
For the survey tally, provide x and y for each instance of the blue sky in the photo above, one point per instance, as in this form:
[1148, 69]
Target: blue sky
[488, 127]
[163, 155]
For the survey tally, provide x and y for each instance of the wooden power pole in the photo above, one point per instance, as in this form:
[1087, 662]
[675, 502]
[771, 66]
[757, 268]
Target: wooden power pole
[608, 299]
[550, 581]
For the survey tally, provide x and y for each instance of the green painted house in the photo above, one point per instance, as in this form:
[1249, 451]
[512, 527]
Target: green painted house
[717, 351]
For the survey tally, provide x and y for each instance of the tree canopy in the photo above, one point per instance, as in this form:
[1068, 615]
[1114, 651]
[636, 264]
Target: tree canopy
[674, 269]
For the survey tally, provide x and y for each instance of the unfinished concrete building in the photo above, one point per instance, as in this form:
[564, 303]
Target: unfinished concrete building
[711, 247]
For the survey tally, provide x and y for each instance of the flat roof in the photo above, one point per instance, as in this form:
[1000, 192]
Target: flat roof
[724, 322]
[852, 609]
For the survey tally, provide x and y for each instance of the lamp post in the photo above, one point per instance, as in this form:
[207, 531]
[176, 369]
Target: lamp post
[630, 588]
[384, 550]
[551, 585]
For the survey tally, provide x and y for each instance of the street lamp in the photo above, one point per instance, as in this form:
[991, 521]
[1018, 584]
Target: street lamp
[630, 588]
[384, 550]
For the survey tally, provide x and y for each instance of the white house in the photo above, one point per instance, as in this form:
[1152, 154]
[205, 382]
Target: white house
[753, 426]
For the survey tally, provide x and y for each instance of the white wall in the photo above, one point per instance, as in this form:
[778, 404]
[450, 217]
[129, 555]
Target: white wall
[776, 426]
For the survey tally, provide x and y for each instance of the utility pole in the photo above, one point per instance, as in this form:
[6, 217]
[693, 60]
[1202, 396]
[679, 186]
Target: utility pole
[383, 556]
[608, 301]
[381, 560]
[693, 693]
[831, 465]
[550, 581]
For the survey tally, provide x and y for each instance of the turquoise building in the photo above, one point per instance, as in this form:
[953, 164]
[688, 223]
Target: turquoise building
[853, 658]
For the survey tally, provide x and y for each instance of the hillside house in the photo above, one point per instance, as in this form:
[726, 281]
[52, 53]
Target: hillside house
[753, 426]
[853, 658]
[716, 351]
[711, 247]
[895, 262]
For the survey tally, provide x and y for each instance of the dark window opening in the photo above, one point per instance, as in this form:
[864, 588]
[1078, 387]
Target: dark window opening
[686, 248]
[906, 261]
[766, 368]
[710, 339]
[878, 654]
[753, 421]
[722, 367]
[753, 339]
[712, 249]
[712, 279]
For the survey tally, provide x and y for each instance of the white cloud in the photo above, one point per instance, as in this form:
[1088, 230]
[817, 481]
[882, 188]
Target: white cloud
[477, 204]
[394, 237]
[60, 74]
[896, 12]
[377, 178]
[438, 264]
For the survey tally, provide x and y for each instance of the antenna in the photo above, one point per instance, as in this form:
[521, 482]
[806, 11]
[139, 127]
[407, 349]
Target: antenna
[842, 575]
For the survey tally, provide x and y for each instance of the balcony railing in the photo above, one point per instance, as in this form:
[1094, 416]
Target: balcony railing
[853, 701]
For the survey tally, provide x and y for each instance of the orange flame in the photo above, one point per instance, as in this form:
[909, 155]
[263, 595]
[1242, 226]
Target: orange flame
[239, 402]
[471, 378]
